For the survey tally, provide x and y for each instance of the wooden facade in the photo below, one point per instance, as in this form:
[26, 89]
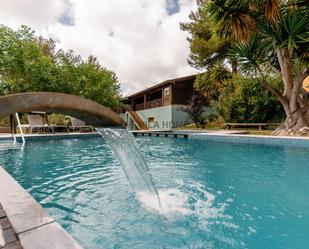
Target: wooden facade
[171, 92]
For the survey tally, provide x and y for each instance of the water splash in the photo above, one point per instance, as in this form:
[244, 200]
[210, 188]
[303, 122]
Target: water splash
[174, 203]
[186, 199]
[189, 198]
[124, 145]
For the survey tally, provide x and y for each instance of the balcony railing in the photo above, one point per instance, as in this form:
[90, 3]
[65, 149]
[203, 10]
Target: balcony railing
[154, 103]
[139, 107]
[149, 104]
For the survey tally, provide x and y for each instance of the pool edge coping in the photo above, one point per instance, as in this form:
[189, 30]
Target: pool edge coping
[232, 138]
[31, 137]
[33, 226]
[290, 141]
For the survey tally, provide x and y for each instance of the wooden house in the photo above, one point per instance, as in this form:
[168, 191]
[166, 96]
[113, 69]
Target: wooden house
[159, 106]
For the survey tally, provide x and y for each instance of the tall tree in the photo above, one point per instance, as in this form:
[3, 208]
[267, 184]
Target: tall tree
[269, 37]
[213, 81]
[207, 48]
[31, 63]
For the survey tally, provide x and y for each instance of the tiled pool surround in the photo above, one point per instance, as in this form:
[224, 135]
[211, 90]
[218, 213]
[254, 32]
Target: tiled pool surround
[34, 228]
[33, 137]
[297, 142]
[8, 238]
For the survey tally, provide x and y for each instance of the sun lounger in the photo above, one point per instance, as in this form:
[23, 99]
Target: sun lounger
[79, 125]
[36, 123]
[59, 128]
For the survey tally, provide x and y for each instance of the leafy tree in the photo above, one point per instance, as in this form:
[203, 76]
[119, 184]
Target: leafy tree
[195, 109]
[31, 63]
[268, 37]
[249, 103]
[98, 83]
[212, 82]
[207, 48]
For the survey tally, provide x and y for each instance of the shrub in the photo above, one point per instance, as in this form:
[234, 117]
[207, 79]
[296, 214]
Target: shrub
[250, 103]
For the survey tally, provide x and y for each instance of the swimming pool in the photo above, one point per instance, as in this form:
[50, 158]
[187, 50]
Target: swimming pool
[215, 195]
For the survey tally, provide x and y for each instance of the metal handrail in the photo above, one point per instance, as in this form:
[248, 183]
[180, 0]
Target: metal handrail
[20, 128]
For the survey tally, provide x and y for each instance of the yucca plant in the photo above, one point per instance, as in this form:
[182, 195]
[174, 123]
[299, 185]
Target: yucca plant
[269, 37]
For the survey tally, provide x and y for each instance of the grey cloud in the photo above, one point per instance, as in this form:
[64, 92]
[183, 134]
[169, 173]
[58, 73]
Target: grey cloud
[141, 53]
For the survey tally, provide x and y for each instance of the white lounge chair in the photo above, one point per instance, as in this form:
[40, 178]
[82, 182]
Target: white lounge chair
[36, 123]
[79, 125]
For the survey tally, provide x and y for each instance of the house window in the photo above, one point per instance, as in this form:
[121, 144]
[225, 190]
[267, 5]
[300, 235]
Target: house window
[150, 120]
[166, 91]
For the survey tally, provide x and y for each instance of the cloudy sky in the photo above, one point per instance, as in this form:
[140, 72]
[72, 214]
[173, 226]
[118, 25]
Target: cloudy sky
[139, 40]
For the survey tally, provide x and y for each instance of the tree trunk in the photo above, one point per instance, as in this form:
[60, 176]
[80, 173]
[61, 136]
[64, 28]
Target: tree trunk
[234, 67]
[295, 107]
[297, 120]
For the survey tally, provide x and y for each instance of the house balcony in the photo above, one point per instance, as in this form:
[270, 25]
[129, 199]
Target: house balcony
[149, 104]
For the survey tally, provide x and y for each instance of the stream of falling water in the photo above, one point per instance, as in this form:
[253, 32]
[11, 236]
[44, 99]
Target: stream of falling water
[124, 145]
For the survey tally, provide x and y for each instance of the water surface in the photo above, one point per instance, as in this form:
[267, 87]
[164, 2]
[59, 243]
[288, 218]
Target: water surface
[214, 195]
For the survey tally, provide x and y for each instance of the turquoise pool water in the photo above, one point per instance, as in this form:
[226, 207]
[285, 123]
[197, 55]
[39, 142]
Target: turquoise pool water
[214, 195]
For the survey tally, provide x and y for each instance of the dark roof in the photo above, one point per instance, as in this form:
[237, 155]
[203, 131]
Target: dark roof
[162, 84]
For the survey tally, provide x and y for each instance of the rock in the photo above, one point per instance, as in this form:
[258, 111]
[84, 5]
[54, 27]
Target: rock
[304, 129]
[284, 131]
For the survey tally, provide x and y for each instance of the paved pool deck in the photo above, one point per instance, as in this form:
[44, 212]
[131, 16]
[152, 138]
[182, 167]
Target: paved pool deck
[8, 237]
[287, 141]
[24, 223]
[224, 136]
[60, 135]
[230, 136]
[182, 133]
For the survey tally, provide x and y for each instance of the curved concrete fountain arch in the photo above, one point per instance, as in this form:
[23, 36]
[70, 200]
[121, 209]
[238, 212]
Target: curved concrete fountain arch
[84, 109]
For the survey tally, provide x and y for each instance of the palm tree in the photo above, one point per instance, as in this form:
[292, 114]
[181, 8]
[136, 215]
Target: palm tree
[270, 36]
[207, 48]
[213, 81]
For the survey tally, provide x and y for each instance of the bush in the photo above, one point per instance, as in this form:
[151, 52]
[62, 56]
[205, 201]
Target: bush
[211, 117]
[5, 121]
[250, 103]
[58, 119]
[30, 63]
[195, 109]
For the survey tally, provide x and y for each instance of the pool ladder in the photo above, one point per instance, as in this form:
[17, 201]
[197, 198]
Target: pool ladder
[20, 130]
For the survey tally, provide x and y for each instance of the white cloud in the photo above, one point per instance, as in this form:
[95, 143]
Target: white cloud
[37, 14]
[137, 39]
